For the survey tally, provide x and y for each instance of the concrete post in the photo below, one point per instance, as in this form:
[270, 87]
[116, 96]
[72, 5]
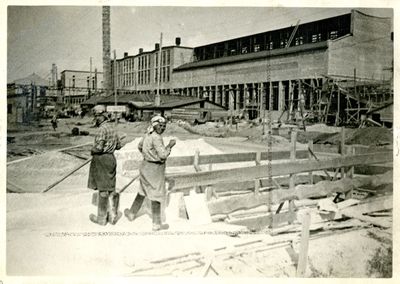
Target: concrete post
[281, 97]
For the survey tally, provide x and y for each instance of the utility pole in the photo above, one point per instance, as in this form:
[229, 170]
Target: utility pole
[90, 79]
[157, 99]
[115, 87]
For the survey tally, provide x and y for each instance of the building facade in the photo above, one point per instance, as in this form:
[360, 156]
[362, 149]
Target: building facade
[140, 72]
[262, 71]
[78, 86]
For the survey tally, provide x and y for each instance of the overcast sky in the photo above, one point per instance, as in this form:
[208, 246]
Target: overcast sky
[69, 36]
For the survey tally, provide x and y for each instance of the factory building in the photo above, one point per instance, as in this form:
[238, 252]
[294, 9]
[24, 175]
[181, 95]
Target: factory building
[276, 69]
[77, 86]
[140, 72]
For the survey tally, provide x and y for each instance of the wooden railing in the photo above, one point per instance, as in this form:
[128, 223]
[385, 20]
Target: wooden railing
[256, 157]
[204, 178]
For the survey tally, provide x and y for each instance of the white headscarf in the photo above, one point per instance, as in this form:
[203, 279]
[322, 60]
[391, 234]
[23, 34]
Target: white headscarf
[155, 121]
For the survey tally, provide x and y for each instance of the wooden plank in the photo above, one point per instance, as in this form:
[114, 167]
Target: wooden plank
[323, 188]
[310, 157]
[265, 182]
[305, 234]
[292, 177]
[372, 169]
[221, 158]
[181, 181]
[263, 220]
[377, 204]
[342, 150]
[380, 222]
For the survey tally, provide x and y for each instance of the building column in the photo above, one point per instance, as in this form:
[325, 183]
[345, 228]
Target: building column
[237, 97]
[217, 95]
[231, 100]
[223, 96]
[281, 97]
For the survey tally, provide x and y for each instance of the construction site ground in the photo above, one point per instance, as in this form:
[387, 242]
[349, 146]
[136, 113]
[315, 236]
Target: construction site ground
[50, 233]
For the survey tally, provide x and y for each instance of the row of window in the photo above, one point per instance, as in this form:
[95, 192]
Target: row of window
[269, 46]
[144, 61]
[72, 83]
[328, 29]
[128, 65]
[144, 77]
[165, 74]
[73, 101]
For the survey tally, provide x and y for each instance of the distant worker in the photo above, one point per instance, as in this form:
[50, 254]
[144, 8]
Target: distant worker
[102, 173]
[54, 122]
[152, 172]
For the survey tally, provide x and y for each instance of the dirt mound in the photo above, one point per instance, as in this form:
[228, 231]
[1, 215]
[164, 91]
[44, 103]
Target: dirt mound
[370, 136]
[140, 127]
[209, 129]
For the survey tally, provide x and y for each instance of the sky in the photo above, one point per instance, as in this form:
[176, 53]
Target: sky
[68, 36]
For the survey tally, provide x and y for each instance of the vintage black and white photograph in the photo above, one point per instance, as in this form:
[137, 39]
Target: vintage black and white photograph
[199, 141]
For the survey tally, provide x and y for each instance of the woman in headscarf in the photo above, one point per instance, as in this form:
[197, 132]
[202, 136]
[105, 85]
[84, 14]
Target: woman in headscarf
[102, 173]
[152, 172]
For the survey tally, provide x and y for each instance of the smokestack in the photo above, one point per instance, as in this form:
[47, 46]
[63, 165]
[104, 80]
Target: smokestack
[140, 50]
[177, 41]
[157, 46]
[106, 50]
[125, 54]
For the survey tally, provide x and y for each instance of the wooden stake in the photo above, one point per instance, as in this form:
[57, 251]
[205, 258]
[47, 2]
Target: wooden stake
[292, 177]
[351, 150]
[342, 151]
[310, 157]
[303, 254]
[258, 158]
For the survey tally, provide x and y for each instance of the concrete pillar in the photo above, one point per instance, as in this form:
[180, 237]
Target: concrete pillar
[217, 95]
[281, 97]
[237, 97]
[231, 98]
[223, 95]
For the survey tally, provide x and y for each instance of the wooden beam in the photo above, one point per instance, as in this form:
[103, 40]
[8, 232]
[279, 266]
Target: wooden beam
[379, 204]
[220, 158]
[266, 182]
[320, 189]
[305, 235]
[181, 181]
[263, 220]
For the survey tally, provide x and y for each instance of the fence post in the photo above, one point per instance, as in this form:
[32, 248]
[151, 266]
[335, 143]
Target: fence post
[310, 157]
[342, 150]
[303, 253]
[292, 177]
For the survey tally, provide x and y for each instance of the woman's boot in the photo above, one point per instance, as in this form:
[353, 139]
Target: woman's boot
[102, 208]
[156, 214]
[113, 214]
[132, 212]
